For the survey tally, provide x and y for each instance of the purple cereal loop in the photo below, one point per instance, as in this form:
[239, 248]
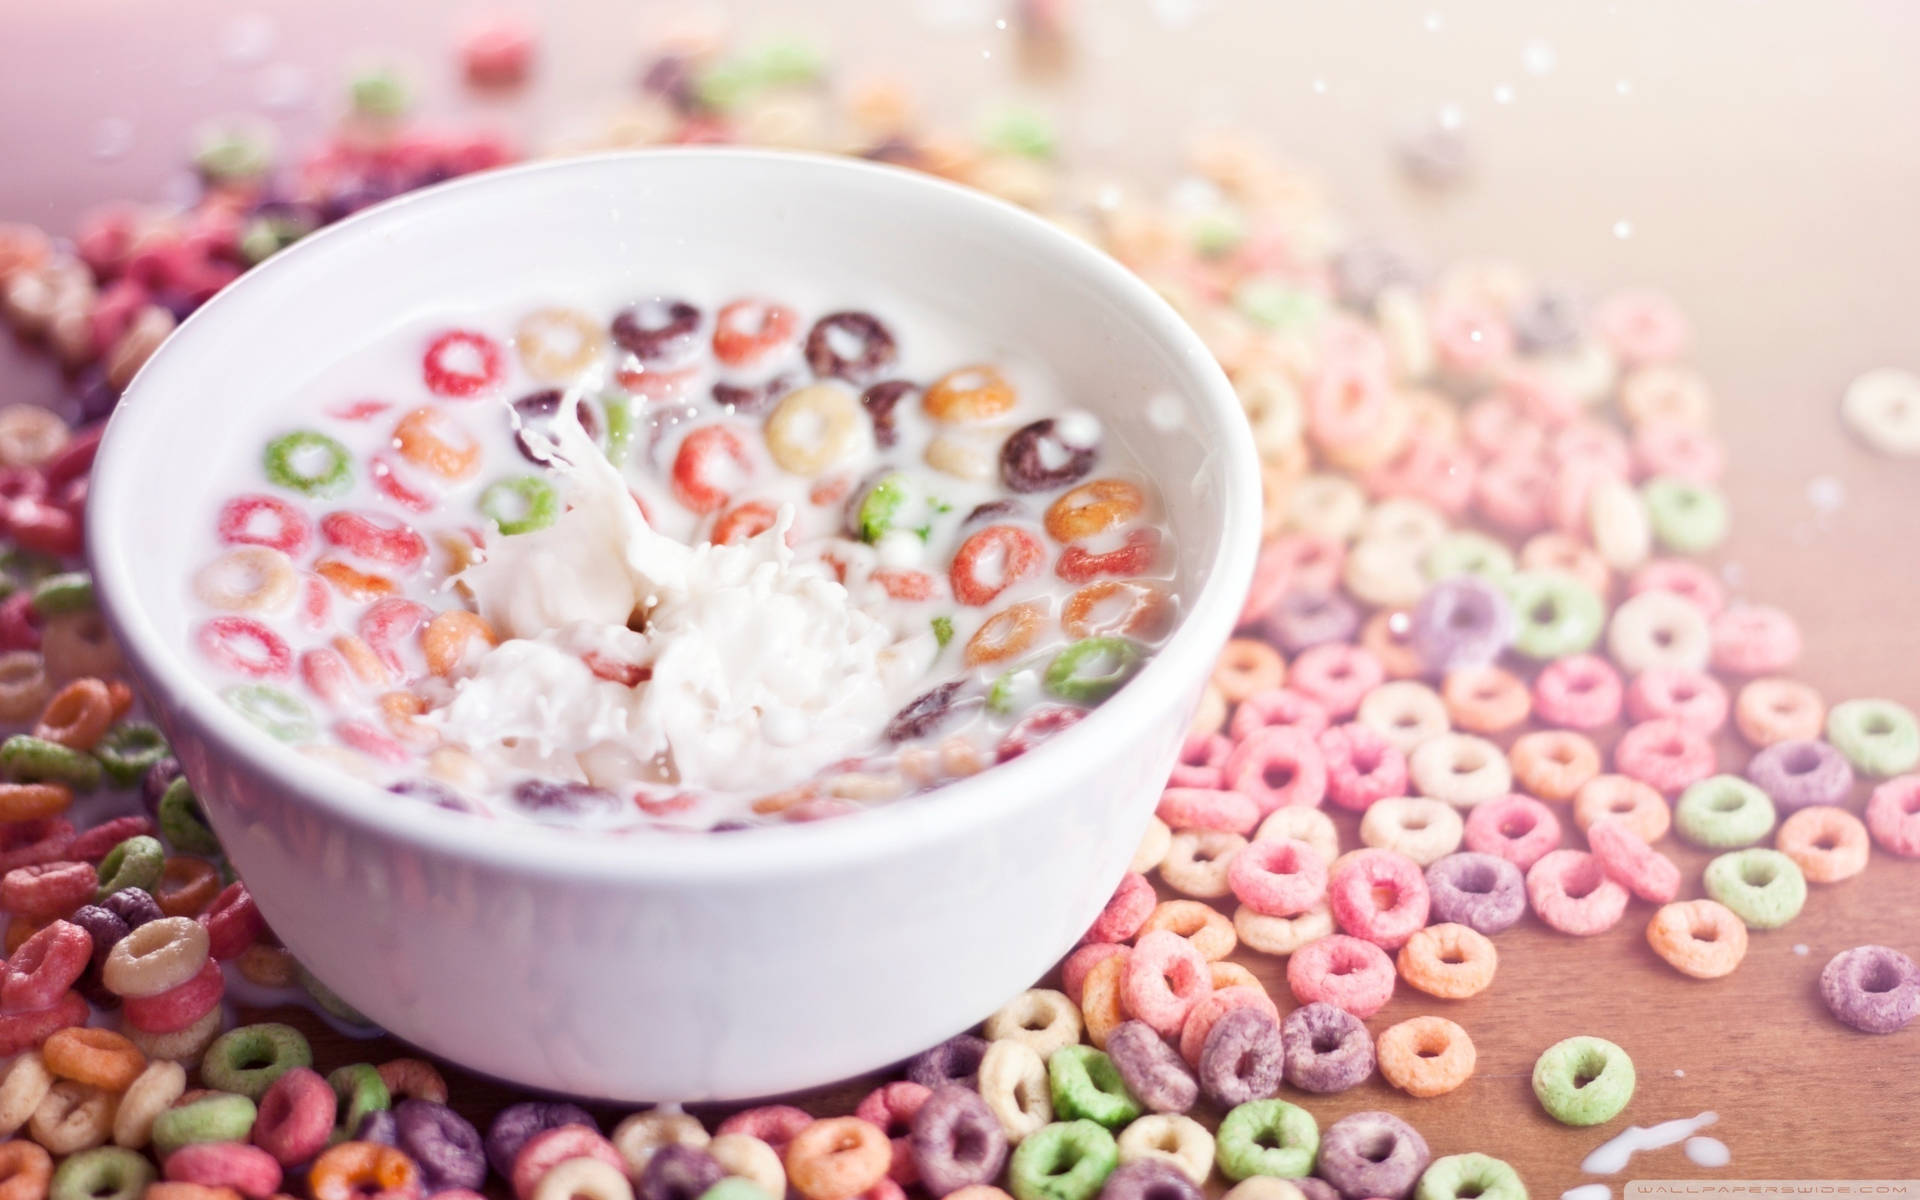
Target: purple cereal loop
[880, 400]
[1799, 774]
[1875, 989]
[377, 1127]
[1362, 269]
[445, 1144]
[750, 399]
[874, 354]
[1149, 1179]
[1304, 618]
[104, 926]
[1035, 459]
[956, 1060]
[677, 1172]
[925, 712]
[956, 1141]
[1243, 1058]
[656, 330]
[1460, 622]
[518, 1122]
[1372, 1154]
[1152, 1070]
[1484, 892]
[1316, 1189]
[1325, 1049]
[1545, 322]
[541, 797]
[535, 412]
[133, 905]
[156, 781]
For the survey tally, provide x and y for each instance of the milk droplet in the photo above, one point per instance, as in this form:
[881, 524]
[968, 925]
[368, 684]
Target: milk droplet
[247, 39]
[1319, 87]
[1612, 1156]
[1538, 58]
[999, 22]
[1826, 493]
[1502, 94]
[1450, 117]
[112, 138]
[1800, 948]
[1707, 1152]
[1432, 23]
[1588, 1191]
[1623, 87]
[1623, 229]
[1678, 1073]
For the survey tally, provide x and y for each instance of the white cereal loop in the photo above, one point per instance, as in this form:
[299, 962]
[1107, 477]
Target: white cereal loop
[1586, 372]
[637, 1137]
[1040, 1017]
[813, 429]
[963, 455]
[1420, 827]
[1152, 848]
[1302, 824]
[1331, 506]
[1460, 769]
[30, 435]
[1882, 407]
[247, 579]
[1197, 861]
[1402, 319]
[1617, 519]
[747, 1157]
[557, 344]
[72, 1117]
[1273, 410]
[1659, 629]
[1383, 573]
[157, 956]
[1667, 393]
[149, 1095]
[1405, 712]
[1404, 522]
[1211, 714]
[1013, 1082]
[1264, 1187]
[583, 1179]
[1170, 1138]
[1282, 935]
[185, 1046]
[25, 1085]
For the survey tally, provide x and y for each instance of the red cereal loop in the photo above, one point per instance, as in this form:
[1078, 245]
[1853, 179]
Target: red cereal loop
[1076, 966]
[1276, 767]
[1164, 978]
[1295, 560]
[1205, 1014]
[1593, 444]
[697, 467]
[1511, 493]
[1581, 691]
[1572, 893]
[357, 410]
[47, 889]
[28, 1028]
[549, 1147]
[1676, 449]
[1893, 815]
[19, 623]
[743, 521]
[44, 967]
[233, 922]
[460, 364]
[316, 603]
[326, 676]
[387, 623]
[75, 459]
[372, 741]
[45, 529]
[1207, 808]
[246, 647]
[891, 1108]
[991, 561]
[386, 477]
[1500, 424]
[375, 537]
[93, 845]
[906, 585]
[1281, 877]
[1034, 728]
[655, 383]
[1630, 862]
[1362, 766]
[1132, 902]
[23, 843]
[177, 1007]
[1440, 475]
[1665, 755]
[264, 521]
[1136, 557]
[747, 330]
[774, 1124]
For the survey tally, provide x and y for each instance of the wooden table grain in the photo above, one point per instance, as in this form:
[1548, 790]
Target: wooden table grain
[1753, 160]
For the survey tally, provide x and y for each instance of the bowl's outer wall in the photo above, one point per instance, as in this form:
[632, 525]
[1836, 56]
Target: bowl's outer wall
[674, 983]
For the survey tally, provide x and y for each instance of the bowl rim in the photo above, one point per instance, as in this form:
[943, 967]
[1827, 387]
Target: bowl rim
[805, 849]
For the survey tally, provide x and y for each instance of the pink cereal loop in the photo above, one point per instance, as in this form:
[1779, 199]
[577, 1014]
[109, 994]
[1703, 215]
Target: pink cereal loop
[1688, 580]
[1516, 828]
[1201, 1020]
[1692, 699]
[1125, 912]
[1347, 972]
[1278, 767]
[1378, 896]
[1581, 691]
[1753, 639]
[1336, 675]
[1893, 815]
[1280, 708]
[1074, 969]
[1362, 766]
[1665, 755]
[1571, 892]
[1278, 878]
[1207, 808]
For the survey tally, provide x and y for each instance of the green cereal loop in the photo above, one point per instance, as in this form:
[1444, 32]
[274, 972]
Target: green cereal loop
[1067, 675]
[360, 1090]
[67, 592]
[182, 823]
[1006, 692]
[263, 237]
[234, 152]
[330, 1001]
[1762, 887]
[734, 1187]
[102, 1173]
[1723, 812]
[1477, 1175]
[26, 565]
[282, 715]
[532, 497]
[1022, 131]
[725, 84]
[1879, 737]
[1267, 1137]
[1086, 1084]
[282, 452]
[1690, 518]
[1554, 614]
[1276, 305]
[618, 410]
[137, 862]
[1067, 1160]
[881, 506]
[221, 1117]
[943, 630]
[1583, 1080]
[1465, 552]
[247, 1060]
[128, 749]
[785, 62]
[29, 759]
[379, 91]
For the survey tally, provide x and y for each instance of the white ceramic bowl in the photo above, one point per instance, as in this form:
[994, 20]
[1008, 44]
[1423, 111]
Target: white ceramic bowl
[656, 968]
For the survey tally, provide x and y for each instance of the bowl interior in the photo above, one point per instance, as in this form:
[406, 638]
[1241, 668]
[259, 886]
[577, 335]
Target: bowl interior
[625, 226]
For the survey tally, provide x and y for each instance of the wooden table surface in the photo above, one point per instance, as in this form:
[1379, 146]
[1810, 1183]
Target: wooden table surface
[1755, 161]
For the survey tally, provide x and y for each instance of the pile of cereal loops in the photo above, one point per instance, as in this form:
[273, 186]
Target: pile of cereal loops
[1471, 482]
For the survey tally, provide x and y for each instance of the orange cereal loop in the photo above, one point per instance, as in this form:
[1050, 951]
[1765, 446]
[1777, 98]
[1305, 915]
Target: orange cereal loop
[96, 1057]
[1246, 668]
[1636, 805]
[33, 801]
[1778, 710]
[1005, 634]
[422, 440]
[170, 1190]
[187, 885]
[1701, 938]
[974, 393]
[1100, 999]
[834, 1159]
[25, 1170]
[1202, 924]
[1277, 483]
[1559, 552]
[1449, 961]
[400, 712]
[448, 636]
[361, 660]
[1137, 608]
[1486, 700]
[24, 688]
[353, 584]
[1828, 844]
[1224, 975]
[1093, 508]
[120, 694]
[77, 716]
[414, 1079]
[1425, 1056]
[354, 1169]
[1387, 635]
[779, 802]
[1553, 764]
[557, 344]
